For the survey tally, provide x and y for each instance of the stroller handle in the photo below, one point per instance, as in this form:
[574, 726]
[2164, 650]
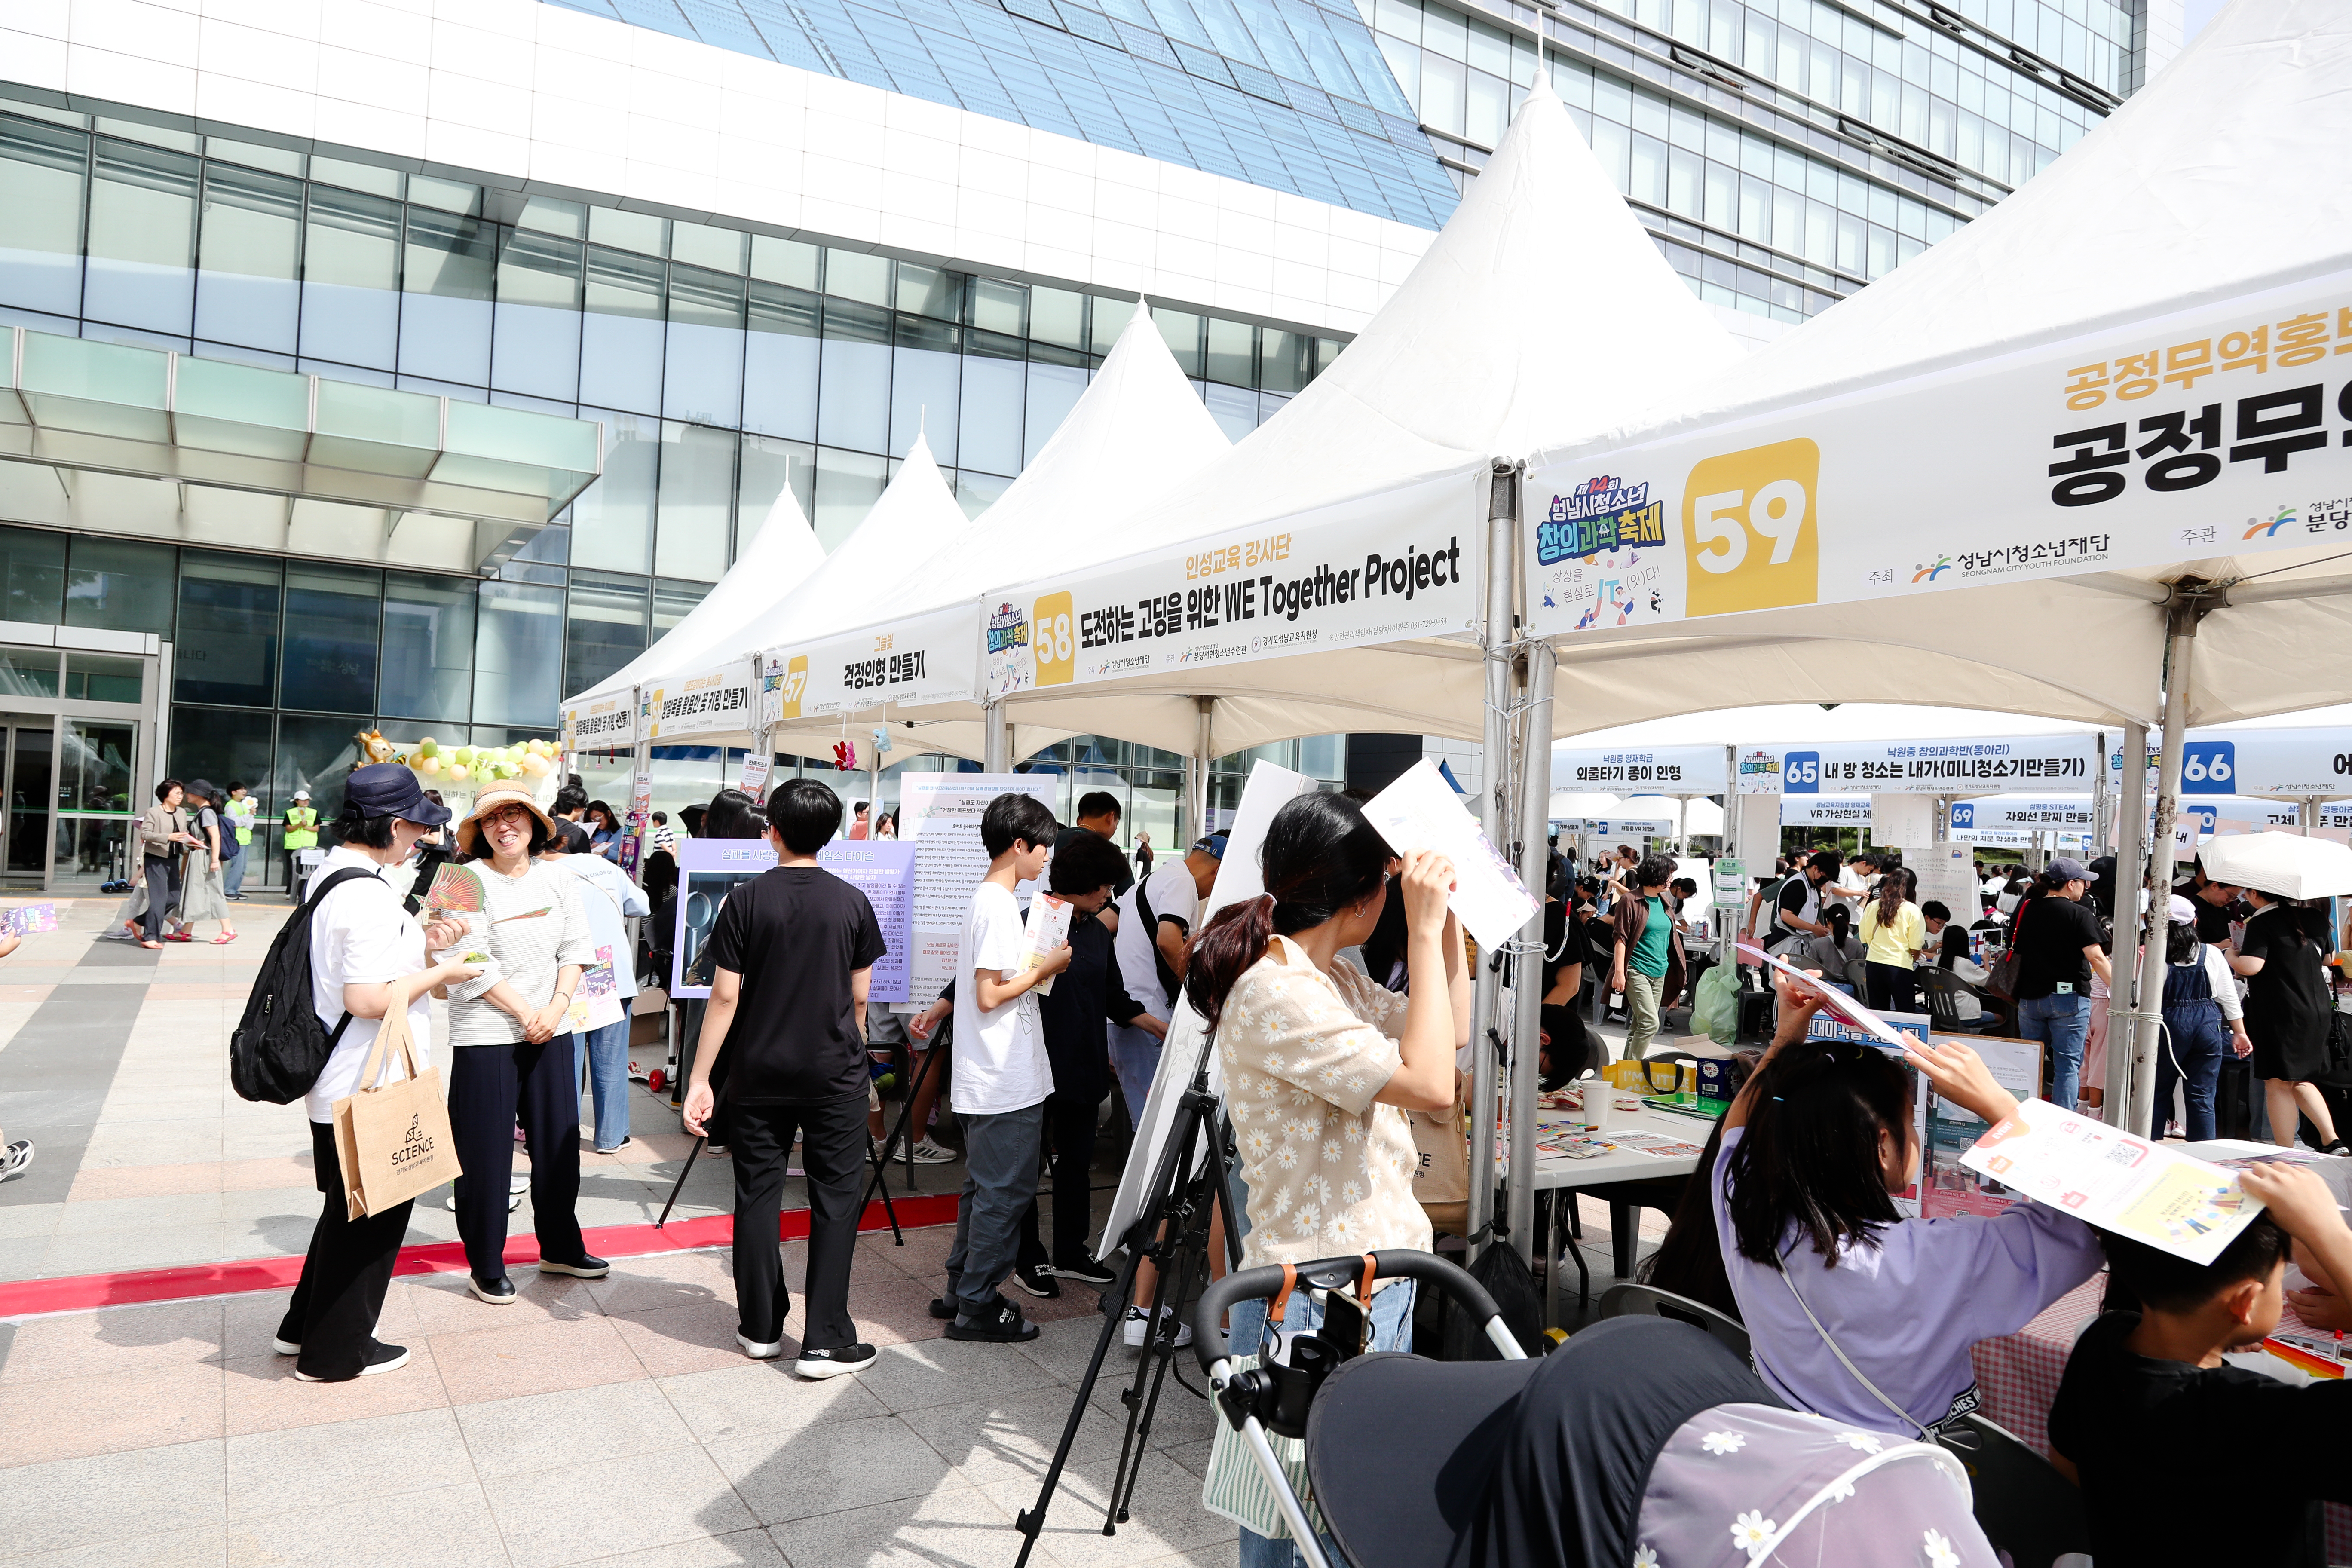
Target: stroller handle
[1330, 1273]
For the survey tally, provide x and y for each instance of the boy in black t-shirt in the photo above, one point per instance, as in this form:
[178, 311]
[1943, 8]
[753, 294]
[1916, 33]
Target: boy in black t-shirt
[793, 951]
[2151, 1421]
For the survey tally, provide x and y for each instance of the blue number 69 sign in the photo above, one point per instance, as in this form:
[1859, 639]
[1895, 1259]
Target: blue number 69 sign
[2208, 767]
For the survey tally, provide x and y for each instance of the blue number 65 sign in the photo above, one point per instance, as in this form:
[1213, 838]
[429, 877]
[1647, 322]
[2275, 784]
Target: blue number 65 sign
[1801, 773]
[2208, 767]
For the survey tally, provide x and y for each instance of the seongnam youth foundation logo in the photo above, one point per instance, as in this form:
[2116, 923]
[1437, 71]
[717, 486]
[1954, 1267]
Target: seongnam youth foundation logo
[1600, 517]
[1932, 570]
[2257, 528]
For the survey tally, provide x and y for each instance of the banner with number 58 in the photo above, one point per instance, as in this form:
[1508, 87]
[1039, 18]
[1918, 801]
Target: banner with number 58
[2225, 430]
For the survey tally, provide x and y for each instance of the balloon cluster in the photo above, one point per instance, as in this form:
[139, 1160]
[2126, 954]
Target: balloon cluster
[481, 764]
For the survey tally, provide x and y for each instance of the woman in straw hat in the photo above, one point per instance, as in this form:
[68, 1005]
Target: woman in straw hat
[510, 1049]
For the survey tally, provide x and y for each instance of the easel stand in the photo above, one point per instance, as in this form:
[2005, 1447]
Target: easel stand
[1172, 1230]
[873, 1155]
[905, 1113]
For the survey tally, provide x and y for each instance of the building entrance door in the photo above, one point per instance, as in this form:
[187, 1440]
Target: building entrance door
[27, 767]
[91, 837]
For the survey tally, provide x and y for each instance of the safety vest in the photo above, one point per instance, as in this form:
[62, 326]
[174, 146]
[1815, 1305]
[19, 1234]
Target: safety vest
[301, 827]
[240, 814]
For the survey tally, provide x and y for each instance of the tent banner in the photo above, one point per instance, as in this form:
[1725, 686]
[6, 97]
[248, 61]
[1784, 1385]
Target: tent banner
[1643, 770]
[2217, 431]
[1825, 811]
[2299, 762]
[603, 724]
[717, 702]
[1621, 827]
[2032, 814]
[1919, 767]
[933, 658]
[1379, 569]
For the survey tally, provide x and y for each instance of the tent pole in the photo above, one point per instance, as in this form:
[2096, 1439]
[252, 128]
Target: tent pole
[2102, 798]
[2130, 812]
[2191, 599]
[1199, 763]
[2307, 813]
[1487, 992]
[996, 737]
[1527, 988]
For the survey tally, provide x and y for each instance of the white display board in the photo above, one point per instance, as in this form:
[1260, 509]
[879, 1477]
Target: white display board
[939, 815]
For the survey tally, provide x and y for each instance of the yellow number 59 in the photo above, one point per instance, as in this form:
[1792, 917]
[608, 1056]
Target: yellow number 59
[1751, 540]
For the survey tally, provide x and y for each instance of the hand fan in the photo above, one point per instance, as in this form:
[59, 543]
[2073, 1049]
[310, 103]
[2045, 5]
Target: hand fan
[455, 890]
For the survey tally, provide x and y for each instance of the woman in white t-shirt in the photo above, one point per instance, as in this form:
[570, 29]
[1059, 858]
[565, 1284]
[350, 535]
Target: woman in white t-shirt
[363, 944]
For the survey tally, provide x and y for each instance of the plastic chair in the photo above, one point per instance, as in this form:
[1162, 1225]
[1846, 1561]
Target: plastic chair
[2027, 1508]
[1645, 1300]
[1945, 990]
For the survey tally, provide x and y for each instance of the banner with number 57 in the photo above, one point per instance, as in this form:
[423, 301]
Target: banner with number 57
[2225, 430]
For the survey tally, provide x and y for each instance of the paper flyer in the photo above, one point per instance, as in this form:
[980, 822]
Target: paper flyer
[2107, 1177]
[1836, 1003]
[1420, 811]
[753, 779]
[26, 920]
[1048, 927]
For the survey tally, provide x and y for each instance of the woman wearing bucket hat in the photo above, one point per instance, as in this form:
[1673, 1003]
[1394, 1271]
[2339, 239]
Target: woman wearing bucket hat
[203, 895]
[362, 943]
[511, 1053]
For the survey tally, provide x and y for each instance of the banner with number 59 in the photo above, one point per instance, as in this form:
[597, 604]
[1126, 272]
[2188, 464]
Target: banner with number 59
[2225, 430]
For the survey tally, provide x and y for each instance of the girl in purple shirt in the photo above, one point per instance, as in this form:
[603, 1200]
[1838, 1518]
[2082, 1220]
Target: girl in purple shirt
[1821, 1261]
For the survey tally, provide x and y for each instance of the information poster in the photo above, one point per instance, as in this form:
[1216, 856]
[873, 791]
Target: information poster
[1952, 1188]
[708, 871]
[885, 872]
[1948, 876]
[939, 817]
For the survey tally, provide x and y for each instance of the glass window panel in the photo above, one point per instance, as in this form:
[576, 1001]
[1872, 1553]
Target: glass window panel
[1402, 18]
[332, 616]
[854, 378]
[780, 366]
[104, 678]
[1489, 110]
[1234, 409]
[1324, 756]
[605, 628]
[368, 177]
[976, 492]
[641, 232]
[1181, 330]
[567, 220]
[1404, 64]
[858, 274]
[33, 576]
[249, 261]
[427, 663]
[121, 584]
[1282, 360]
[535, 341]
[226, 652]
[702, 379]
[700, 244]
[1648, 179]
[1058, 316]
[792, 261]
[449, 278]
[1612, 145]
[673, 602]
[1000, 306]
[698, 497]
[994, 377]
[350, 266]
[1444, 86]
[1054, 390]
[42, 170]
[445, 195]
[1110, 318]
[847, 486]
[142, 231]
[1490, 48]
[924, 376]
[1231, 346]
[621, 335]
[612, 520]
[930, 291]
[1684, 169]
[315, 754]
[206, 743]
[519, 654]
[770, 465]
[30, 672]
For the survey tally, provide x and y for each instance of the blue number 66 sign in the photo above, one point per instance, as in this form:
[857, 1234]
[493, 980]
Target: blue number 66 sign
[2208, 767]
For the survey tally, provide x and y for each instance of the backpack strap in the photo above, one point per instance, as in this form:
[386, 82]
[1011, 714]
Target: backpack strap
[310, 907]
[1165, 971]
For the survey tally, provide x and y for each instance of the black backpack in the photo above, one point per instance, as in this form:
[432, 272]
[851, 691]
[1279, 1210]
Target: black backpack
[280, 1047]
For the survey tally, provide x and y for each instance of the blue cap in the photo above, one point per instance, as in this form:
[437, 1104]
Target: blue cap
[1214, 843]
[389, 789]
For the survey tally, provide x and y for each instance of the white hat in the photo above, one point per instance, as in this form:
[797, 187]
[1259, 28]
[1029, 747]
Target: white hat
[2181, 910]
[301, 794]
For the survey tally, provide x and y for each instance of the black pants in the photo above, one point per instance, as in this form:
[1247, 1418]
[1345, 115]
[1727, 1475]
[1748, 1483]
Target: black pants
[1892, 988]
[163, 893]
[1070, 1137]
[344, 1276]
[833, 1152]
[491, 1088]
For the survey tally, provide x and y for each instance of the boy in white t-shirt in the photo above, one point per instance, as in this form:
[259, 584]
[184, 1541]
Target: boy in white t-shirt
[1002, 1074]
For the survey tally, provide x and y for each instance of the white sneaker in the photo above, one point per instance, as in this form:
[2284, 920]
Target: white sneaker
[930, 1153]
[756, 1350]
[514, 1199]
[1139, 1321]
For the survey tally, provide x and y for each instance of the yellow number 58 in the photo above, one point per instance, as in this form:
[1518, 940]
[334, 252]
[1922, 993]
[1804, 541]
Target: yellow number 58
[1751, 540]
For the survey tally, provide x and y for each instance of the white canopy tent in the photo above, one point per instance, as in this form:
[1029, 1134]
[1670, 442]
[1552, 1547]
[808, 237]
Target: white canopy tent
[1896, 456]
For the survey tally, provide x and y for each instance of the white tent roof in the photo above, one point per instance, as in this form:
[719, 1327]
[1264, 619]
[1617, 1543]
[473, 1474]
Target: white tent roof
[782, 555]
[2148, 217]
[1542, 306]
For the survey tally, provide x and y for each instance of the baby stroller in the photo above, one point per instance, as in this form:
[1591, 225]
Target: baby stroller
[1642, 1440]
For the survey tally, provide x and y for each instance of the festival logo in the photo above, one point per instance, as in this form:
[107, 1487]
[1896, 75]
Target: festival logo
[1600, 517]
[1929, 574]
[1010, 667]
[2256, 527]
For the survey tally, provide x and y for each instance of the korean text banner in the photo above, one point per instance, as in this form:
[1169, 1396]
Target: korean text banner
[715, 703]
[926, 659]
[1825, 811]
[1978, 764]
[602, 724]
[1642, 770]
[2294, 762]
[1376, 570]
[2032, 814]
[2217, 431]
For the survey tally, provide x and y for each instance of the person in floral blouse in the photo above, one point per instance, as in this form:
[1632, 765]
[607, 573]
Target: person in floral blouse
[1321, 1065]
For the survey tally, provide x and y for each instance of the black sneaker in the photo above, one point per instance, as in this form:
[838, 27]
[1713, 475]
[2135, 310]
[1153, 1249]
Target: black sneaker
[833, 1363]
[498, 1293]
[584, 1267]
[1086, 1271]
[942, 1308]
[1000, 1324]
[383, 1358]
[1038, 1280]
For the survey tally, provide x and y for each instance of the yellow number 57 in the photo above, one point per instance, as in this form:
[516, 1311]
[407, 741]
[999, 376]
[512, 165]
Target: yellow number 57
[1751, 540]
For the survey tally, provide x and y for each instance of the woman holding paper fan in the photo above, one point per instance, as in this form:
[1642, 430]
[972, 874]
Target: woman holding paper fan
[511, 1043]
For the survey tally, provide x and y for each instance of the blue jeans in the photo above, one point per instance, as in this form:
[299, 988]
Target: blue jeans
[1134, 1056]
[1391, 1331]
[233, 869]
[2063, 1020]
[2198, 1040]
[605, 1052]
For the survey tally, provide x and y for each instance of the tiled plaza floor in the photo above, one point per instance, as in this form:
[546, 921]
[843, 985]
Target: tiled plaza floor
[610, 1421]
